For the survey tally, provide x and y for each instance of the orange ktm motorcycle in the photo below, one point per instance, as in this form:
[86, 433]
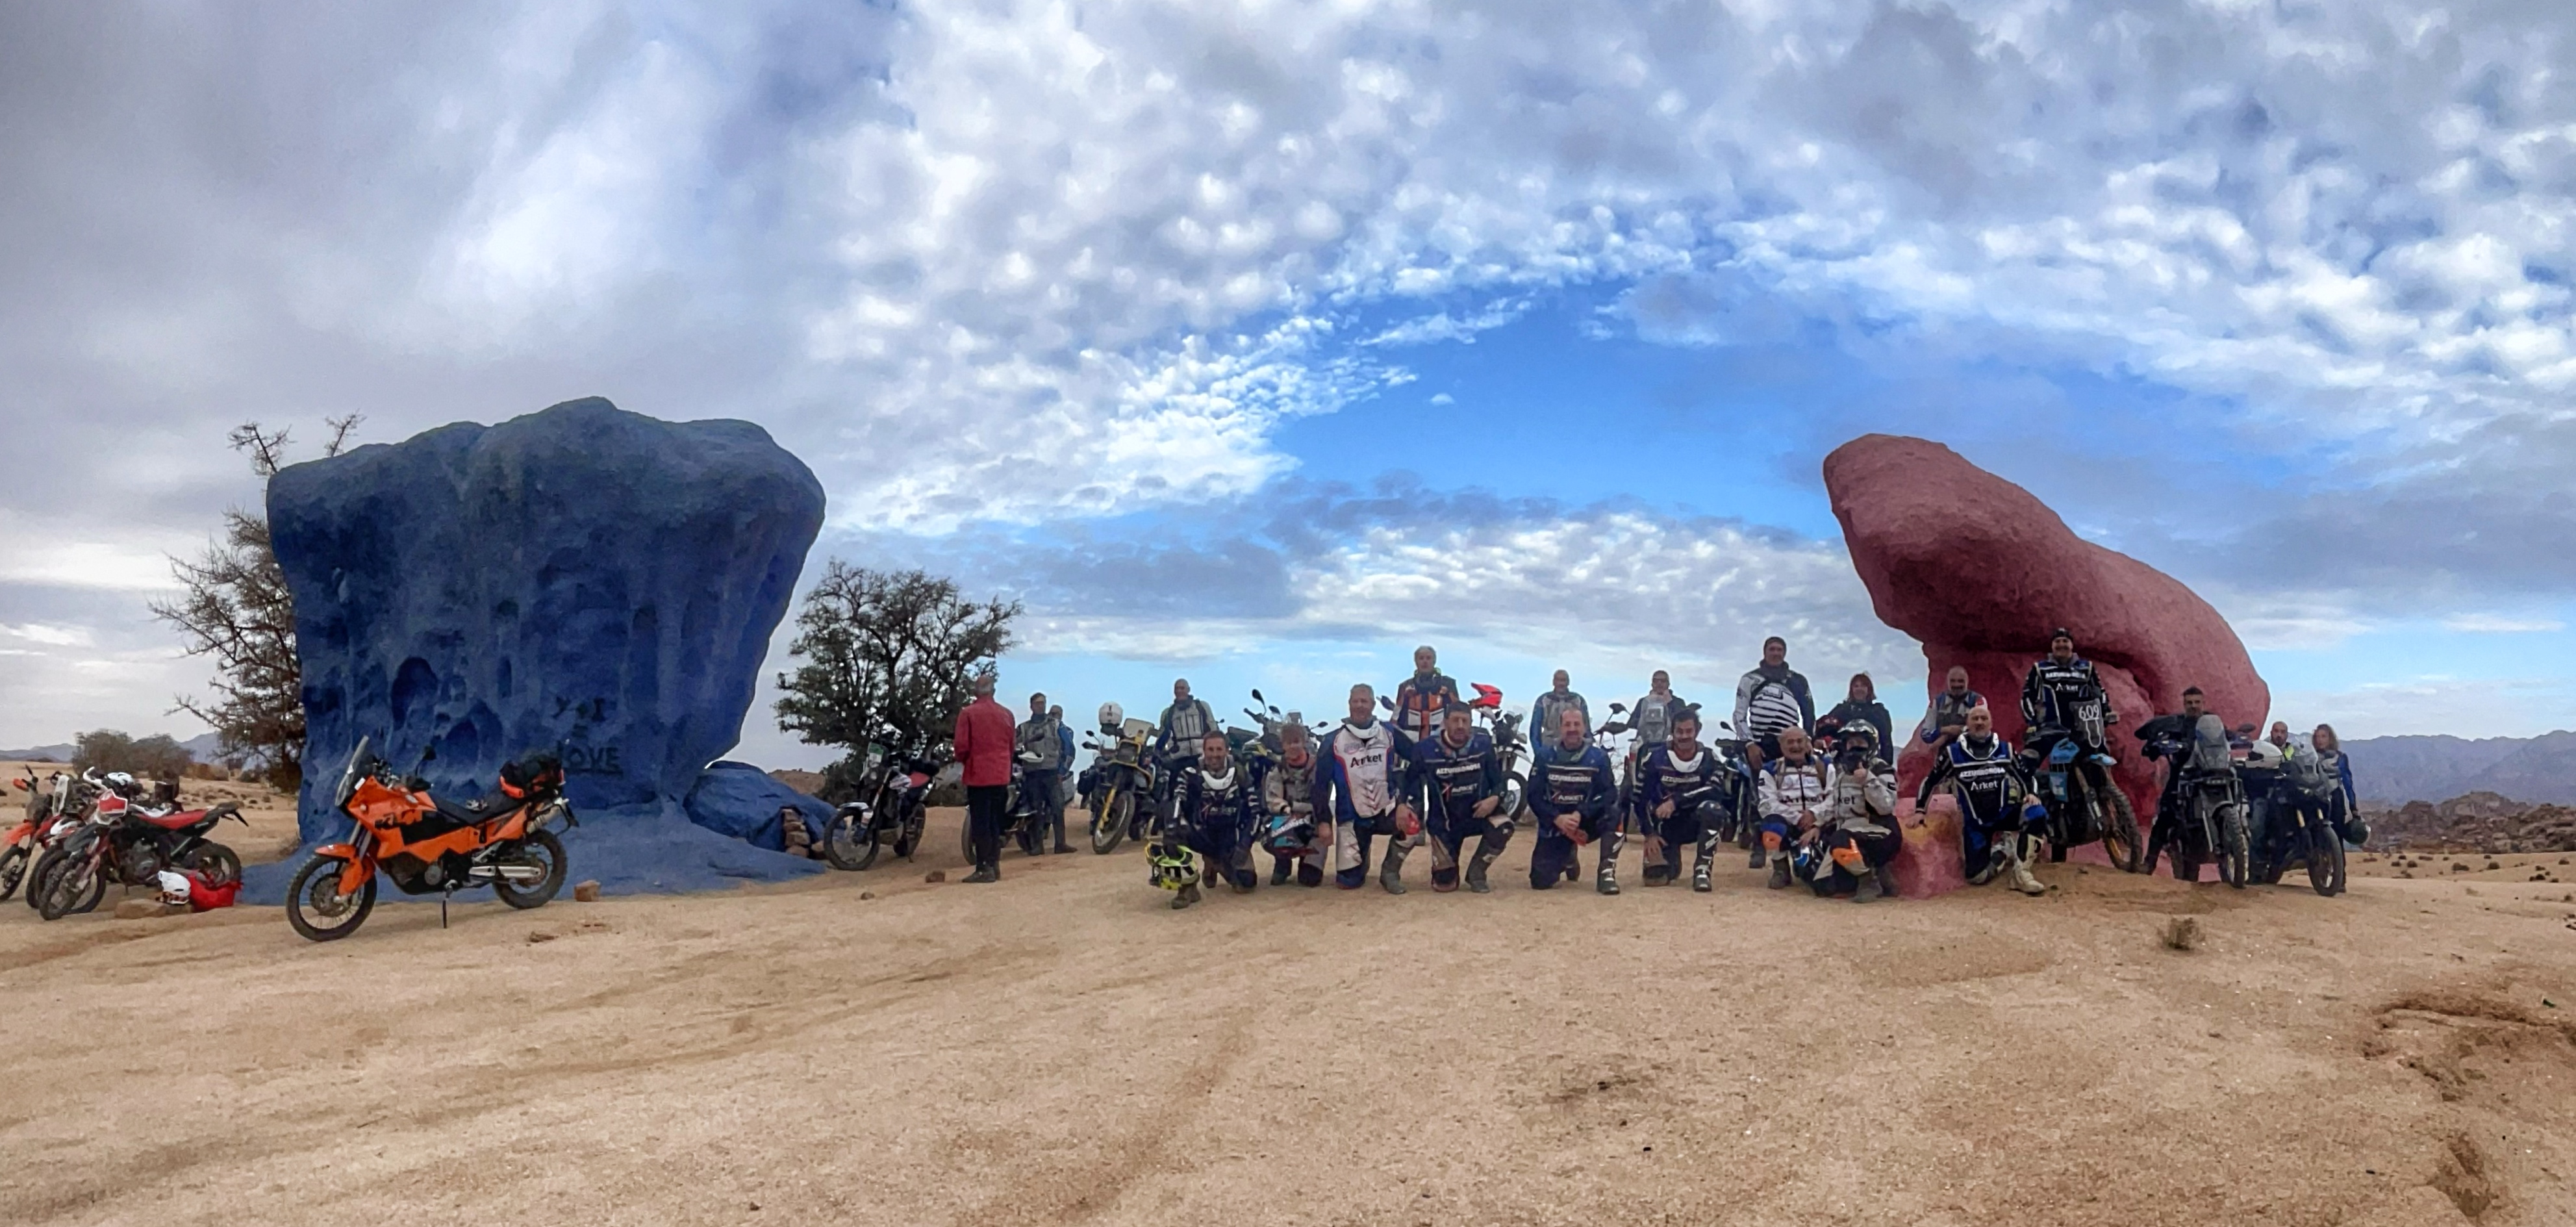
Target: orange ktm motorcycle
[427, 844]
[51, 804]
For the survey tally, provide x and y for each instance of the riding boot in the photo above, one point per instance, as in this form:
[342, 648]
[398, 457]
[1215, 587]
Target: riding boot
[1279, 871]
[1996, 858]
[1606, 879]
[1390, 871]
[1188, 894]
[1886, 878]
[1699, 872]
[1779, 871]
[1476, 867]
[2023, 848]
[1760, 855]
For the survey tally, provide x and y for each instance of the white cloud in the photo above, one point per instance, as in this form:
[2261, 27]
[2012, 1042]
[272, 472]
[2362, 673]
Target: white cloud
[49, 635]
[2493, 624]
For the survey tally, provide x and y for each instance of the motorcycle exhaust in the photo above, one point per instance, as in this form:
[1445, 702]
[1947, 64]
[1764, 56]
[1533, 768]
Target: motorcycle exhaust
[513, 872]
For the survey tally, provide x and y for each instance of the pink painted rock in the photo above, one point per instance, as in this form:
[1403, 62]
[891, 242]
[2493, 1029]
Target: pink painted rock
[1930, 863]
[1980, 572]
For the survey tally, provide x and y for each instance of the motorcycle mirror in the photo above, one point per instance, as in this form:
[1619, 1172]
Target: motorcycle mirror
[1256, 697]
[1385, 702]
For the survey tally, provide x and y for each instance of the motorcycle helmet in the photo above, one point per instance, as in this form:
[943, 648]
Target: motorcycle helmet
[1173, 866]
[1112, 716]
[121, 783]
[1288, 834]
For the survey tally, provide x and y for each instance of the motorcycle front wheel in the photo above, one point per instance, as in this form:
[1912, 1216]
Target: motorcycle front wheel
[909, 837]
[63, 886]
[315, 908]
[2119, 827]
[850, 842]
[539, 848]
[2325, 858]
[2235, 846]
[13, 870]
[1109, 818]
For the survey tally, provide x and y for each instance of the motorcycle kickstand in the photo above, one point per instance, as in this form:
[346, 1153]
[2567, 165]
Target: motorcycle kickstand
[443, 897]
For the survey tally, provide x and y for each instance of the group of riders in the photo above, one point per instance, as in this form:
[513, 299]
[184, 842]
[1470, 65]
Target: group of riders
[1812, 798]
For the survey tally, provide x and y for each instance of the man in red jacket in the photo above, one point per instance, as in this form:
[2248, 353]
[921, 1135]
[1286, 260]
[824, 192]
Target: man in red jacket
[986, 736]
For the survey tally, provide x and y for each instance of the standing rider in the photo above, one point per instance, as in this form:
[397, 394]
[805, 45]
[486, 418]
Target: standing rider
[1948, 715]
[1795, 788]
[1978, 768]
[1683, 797]
[1652, 722]
[1770, 699]
[1457, 785]
[1359, 795]
[1861, 706]
[1551, 707]
[1176, 737]
[1043, 735]
[1215, 819]
[1572, 794]
[1421, 698]
[2176, 730]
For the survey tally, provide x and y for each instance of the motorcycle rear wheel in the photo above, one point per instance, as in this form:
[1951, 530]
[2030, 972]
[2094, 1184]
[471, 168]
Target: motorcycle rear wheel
[217, 864]
[546, 850]
[13, 870]
[910, 837]
[1109, 820]
[317, 886]
[2325, 859]
[849, 843]
[59, 887]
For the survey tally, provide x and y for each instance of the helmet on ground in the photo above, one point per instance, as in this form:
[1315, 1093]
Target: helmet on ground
[1173, 865]
[1111, 716]
[1287, 834]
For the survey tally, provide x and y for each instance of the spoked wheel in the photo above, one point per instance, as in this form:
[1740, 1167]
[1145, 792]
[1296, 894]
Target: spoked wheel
[850, 842]
[542, 850]
[909, 837]
[317, 909]
[2119, 828]
[2235, 847]
[13, 869]
[217, 864]
[2325, 858]
[1109, 821]
[65, 886]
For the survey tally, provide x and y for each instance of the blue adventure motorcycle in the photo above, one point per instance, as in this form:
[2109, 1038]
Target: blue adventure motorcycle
[2082, 803]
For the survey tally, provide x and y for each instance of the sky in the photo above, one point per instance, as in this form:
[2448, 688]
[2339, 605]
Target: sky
[1258, 342]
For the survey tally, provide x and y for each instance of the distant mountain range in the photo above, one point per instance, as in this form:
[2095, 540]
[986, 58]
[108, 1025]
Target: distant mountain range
[2395, 770]
[200, 747]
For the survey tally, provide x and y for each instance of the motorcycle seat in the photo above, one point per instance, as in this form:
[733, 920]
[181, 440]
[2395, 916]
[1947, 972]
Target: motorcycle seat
[171, 820]
[484, 808]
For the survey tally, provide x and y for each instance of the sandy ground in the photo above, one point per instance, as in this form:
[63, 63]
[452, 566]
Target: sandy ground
[1061, 1048]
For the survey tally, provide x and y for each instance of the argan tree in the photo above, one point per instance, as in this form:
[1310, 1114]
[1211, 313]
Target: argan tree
[885, 650]
[234, 606]
[156, 757]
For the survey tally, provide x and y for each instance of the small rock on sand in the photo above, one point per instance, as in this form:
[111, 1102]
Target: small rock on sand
[586, 892]
[935, 875]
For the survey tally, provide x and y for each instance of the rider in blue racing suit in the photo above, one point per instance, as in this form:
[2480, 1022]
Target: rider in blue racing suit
[1572, 793]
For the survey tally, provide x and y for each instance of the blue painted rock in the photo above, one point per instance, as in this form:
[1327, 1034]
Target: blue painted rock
[740, 801]
[581, 578]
